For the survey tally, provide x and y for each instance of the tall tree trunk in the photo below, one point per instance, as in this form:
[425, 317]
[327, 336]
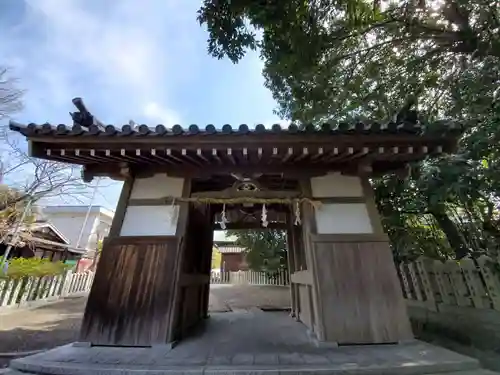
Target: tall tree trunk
[452, 233]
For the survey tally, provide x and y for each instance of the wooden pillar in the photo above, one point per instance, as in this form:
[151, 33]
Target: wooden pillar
[208, 249]
[291, 262]
[132, 300]
[359, 298]
[192, 300]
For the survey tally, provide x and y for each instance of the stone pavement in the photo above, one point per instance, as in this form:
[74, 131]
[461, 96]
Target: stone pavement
[235, 297]
[58, 323]
[247, 342]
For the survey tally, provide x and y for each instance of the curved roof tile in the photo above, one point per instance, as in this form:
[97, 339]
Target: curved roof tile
[177, 130]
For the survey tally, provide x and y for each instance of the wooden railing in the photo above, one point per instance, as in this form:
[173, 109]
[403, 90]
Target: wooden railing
[34, 290]
[468, 283]
[250, 278]
[458, 299]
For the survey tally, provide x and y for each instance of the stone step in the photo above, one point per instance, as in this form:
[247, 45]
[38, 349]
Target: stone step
[47, 368]
[466, 372]
[145, 372]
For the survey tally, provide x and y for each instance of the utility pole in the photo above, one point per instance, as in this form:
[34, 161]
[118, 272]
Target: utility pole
[99, 238]
[88, 214]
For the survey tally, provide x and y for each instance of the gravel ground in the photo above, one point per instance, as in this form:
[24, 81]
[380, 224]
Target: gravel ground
[58, 323]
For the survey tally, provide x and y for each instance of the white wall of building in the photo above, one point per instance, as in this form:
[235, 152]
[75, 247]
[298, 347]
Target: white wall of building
[70, 224]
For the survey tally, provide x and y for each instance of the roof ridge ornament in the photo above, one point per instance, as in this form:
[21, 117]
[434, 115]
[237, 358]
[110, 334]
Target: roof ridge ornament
[83, 117]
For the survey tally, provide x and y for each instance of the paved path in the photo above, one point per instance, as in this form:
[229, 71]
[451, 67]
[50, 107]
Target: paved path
[248, 342]
[58, 323]
[280, 338]
[236, 297]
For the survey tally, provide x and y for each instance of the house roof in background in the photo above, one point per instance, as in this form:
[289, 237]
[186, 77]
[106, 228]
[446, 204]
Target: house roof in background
[78, 210]
[39, 226]
[28, 232]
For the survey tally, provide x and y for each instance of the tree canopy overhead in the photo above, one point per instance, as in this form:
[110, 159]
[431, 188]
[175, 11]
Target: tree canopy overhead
[338, 60]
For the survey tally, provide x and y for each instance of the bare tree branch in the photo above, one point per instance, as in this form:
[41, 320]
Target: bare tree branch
[23, 178]
[10, 94]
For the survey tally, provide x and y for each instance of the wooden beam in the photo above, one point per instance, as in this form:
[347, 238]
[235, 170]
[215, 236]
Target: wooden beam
[142, 156]
[291, 171]
[264, 140]
[305, 153]
[199, 154]
[111, 156]
[216, 157]
[245, 194]
[121, 207]
[229, 155]
[184, 153]
[252, 226]
[155, 154]
[173, 157]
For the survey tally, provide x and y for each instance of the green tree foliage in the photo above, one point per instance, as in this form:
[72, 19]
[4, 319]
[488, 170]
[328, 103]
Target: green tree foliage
[344, 58]
[266, 249]
[349, 60]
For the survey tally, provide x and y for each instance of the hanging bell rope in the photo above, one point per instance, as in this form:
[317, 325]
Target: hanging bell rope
[223, 219]
[297, 214]
[265, 223]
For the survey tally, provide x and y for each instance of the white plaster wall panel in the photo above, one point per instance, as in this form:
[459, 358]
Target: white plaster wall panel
[342, 218]
[158, 186]
[71, 224]
[336, 185]
[150, 221]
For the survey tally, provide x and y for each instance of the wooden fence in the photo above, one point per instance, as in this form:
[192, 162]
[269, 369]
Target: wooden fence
[250, 278]
[35, 290]
[461, 299]
[468, 283]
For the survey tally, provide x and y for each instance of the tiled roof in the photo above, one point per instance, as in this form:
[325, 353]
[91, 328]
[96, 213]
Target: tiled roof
[49, 130]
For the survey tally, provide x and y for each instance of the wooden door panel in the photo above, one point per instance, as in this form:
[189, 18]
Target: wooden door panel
[130, 300]
[360, 296]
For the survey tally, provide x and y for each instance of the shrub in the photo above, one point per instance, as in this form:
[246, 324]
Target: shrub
[32, 267]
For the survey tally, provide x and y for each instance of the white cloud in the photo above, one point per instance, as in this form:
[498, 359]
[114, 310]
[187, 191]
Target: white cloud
[115, 52]
[165, 116]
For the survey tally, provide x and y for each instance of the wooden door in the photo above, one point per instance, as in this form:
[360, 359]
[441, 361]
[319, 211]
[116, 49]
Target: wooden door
[130, 302]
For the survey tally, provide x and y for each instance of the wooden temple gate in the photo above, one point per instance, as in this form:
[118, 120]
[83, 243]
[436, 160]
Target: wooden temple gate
[152, 283]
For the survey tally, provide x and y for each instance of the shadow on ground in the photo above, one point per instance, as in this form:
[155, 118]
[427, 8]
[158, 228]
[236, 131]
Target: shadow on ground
[40, 328]
[58, 323]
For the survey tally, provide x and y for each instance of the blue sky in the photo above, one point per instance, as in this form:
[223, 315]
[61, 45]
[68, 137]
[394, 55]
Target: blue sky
[129, 59]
